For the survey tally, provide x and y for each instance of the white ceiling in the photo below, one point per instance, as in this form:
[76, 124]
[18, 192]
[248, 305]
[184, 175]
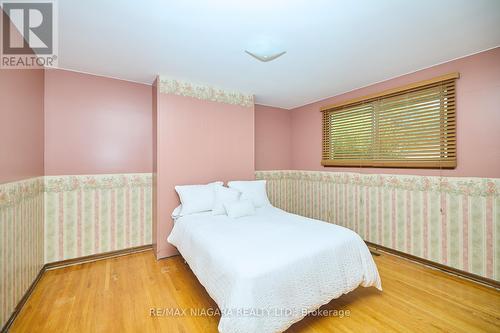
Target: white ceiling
[332, 46]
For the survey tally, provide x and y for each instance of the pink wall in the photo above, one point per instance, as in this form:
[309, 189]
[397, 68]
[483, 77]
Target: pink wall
[197, 142]
[21, 124]
[478, 119]
[273, 138]
[96, 125]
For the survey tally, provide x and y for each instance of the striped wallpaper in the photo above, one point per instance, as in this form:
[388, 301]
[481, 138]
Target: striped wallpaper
[451, 221]
[21, 240]
[92, 214]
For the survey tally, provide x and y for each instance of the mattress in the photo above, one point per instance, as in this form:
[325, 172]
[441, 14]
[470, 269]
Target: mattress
[269, 270]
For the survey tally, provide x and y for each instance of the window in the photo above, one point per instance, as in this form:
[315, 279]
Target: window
[411, 126]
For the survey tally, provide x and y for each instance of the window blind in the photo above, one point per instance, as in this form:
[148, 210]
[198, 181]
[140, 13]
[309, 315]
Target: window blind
[411, 126]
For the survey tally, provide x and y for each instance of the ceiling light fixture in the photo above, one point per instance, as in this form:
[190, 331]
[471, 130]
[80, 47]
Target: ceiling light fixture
[265, 57]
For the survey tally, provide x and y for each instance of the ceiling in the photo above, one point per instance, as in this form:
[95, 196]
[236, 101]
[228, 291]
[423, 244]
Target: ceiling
[332, 46]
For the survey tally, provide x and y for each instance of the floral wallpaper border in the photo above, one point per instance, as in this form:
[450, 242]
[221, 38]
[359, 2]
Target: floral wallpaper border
[95, 182]
[452, 185]
[15, 192]
[182, 88]
[449, 220]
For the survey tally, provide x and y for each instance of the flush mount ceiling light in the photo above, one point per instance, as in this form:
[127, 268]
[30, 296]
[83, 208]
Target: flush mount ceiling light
[265, 57]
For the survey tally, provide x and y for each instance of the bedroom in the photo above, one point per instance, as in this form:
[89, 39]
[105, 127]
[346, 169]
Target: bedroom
[251, 166]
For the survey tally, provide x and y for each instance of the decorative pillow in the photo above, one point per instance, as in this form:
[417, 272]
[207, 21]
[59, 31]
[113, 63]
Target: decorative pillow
[239, 208]
[254, 190]
[197, 198]
[224, 195]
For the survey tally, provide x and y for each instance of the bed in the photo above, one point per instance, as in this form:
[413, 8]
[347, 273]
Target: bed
[268, 270]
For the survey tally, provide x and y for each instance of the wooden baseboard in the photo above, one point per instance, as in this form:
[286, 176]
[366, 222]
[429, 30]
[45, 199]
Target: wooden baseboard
[64, 263]
[95, 257]
[470, 276]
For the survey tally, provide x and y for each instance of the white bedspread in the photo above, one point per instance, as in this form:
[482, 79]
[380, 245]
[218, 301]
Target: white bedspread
[267, 271]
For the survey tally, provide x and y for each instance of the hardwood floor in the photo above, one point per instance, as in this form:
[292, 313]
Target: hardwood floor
[117, 295]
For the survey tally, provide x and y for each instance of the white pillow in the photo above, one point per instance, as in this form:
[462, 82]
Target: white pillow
[239, 208]
[177, 212]
[224, 195]
[254, 190]
[197, 198]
